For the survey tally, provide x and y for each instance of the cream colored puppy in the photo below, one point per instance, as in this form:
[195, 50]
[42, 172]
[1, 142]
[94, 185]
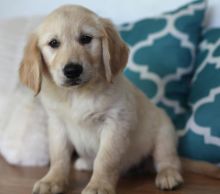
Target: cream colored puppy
[74, 61]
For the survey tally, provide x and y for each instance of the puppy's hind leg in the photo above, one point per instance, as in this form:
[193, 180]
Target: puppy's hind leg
[166, 160]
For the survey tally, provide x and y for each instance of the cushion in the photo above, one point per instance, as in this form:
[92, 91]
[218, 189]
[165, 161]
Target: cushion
[201, 138]
[162, 54]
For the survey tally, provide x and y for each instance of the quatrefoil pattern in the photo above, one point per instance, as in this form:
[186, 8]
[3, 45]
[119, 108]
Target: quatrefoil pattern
[162, 55]
[203, 127]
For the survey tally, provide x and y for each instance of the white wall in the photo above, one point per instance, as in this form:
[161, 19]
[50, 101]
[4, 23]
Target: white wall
[118, 10]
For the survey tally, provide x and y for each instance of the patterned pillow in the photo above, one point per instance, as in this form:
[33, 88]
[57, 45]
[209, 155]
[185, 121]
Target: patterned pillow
[203, 127]
[162, 52]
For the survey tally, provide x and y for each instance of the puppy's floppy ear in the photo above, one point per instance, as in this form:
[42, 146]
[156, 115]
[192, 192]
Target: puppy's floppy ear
[30, 71]
[114, 50]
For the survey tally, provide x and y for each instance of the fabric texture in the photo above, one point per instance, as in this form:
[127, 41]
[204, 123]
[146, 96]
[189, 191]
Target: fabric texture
[201, 138]
[162, 54]
[23, 138]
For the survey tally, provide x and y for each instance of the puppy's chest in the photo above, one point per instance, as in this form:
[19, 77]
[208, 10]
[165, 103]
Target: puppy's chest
[84, 123]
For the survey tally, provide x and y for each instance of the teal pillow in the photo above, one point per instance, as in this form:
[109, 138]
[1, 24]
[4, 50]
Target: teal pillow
[162, 53]
[201, 138]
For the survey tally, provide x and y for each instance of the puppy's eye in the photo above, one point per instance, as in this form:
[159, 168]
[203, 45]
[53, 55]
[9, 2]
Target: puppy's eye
[85, 39]
[54, 43]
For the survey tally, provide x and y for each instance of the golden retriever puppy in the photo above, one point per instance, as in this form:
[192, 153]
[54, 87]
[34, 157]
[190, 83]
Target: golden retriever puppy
[74, 61]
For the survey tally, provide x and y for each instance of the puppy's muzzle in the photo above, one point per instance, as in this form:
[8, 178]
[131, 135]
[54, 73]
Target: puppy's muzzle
[72, 70]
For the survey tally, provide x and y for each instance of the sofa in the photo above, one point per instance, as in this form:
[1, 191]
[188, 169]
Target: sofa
[174, 60]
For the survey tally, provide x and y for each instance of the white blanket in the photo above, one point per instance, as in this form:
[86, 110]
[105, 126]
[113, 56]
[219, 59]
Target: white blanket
[23, 138]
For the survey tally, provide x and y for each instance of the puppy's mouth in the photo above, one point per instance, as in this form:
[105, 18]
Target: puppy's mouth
[73, 82]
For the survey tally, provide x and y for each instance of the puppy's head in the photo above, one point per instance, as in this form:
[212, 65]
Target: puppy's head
[75, 47]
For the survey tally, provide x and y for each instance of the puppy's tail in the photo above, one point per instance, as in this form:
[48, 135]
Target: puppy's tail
[201, 167]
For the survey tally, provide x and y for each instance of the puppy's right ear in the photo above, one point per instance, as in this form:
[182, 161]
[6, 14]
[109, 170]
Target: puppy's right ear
[30, 71]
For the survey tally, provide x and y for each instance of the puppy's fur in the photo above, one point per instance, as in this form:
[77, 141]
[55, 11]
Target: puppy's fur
[110, 123]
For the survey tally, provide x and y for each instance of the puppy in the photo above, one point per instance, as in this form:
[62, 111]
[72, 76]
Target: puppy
[74, 62]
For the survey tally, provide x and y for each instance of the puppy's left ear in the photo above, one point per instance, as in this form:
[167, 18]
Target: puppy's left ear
[114, 50]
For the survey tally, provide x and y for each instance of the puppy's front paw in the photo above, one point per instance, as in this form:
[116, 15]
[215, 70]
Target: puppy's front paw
[168, 179]
[98, 189]
[49, 187]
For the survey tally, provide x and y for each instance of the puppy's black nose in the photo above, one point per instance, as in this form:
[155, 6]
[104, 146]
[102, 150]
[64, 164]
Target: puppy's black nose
[72, 70]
